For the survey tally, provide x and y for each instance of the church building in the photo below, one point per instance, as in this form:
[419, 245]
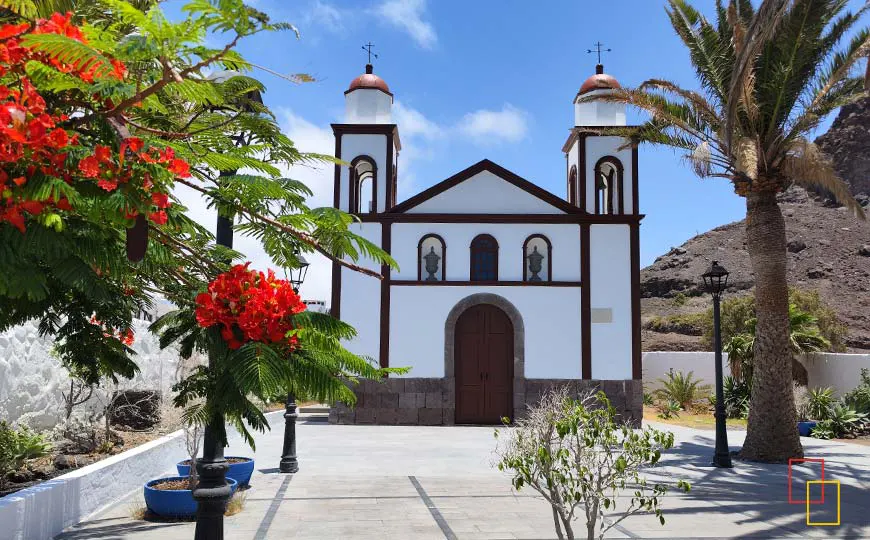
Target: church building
[504, 289]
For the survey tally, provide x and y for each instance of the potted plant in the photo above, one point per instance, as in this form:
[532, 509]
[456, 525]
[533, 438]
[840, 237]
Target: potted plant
[812, 406]
[173, 497]
[241, 468]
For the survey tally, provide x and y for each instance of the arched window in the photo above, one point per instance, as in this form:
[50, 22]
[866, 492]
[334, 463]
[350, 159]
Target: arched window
[431, 258]
[363, 185]
[484, 258]
[572, 185]
[608, 186]
[537, 258]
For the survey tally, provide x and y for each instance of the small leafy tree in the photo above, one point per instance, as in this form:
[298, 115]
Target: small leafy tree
[575, 454]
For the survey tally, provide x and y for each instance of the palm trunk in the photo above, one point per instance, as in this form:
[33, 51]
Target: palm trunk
[772, 434]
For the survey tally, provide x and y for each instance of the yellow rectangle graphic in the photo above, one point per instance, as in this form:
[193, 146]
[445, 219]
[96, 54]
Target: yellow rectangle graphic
[822, 483]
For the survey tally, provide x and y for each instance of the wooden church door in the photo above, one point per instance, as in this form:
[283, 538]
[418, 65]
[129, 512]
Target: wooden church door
[484, 359]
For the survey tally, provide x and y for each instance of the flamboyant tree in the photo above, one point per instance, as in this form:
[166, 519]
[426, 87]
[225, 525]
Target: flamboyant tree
[104, 111]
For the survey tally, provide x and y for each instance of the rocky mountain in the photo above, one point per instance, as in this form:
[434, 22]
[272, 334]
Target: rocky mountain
[828, 251]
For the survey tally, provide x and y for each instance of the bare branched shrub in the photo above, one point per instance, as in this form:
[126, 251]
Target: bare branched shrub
[575, 454]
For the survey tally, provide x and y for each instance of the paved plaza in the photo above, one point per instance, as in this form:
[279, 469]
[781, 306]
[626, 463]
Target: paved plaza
[394, 482]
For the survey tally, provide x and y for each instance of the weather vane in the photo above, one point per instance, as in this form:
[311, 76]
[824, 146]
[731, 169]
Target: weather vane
[597, 49]
[368, 48]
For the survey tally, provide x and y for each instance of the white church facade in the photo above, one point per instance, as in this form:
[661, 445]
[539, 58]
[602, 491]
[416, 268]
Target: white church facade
[503, 288]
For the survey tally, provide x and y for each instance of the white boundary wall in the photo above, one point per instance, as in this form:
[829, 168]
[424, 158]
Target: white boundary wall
[45, 510]
[32, 378]
[838, 370]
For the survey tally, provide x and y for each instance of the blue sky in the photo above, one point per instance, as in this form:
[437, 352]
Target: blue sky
[484, 79]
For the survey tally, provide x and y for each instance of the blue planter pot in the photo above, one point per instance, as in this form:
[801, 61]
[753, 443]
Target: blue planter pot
[804, 428]
[175, 503]
[240, 472]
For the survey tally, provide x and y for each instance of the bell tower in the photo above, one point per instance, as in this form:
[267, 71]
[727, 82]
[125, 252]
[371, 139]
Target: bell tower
[369, 141]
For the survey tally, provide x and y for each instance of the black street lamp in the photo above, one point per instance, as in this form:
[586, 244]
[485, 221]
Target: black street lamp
[212, 492]
[289, 461]
[715, 281]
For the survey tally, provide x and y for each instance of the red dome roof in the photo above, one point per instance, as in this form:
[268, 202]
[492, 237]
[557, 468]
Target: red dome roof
[599, 81]
[369, 80]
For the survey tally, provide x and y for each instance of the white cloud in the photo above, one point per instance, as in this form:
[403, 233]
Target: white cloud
[484, 126]
[408, 15]
[325, 15]
[412, 123]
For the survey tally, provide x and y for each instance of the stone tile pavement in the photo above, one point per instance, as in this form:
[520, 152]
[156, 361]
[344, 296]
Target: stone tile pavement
[409, 482]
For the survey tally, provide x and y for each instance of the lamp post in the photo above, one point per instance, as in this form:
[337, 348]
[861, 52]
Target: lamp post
[289, 462]
[212, 492]
[715, 281]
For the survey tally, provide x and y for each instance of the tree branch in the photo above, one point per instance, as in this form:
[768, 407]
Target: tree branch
[299, 235]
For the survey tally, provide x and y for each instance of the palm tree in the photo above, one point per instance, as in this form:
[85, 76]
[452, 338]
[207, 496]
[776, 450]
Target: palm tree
[769, 77]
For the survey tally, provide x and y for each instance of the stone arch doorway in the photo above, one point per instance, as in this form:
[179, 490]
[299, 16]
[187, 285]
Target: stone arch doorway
[485, 359]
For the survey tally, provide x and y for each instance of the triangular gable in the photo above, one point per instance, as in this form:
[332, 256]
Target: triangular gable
[485, 188]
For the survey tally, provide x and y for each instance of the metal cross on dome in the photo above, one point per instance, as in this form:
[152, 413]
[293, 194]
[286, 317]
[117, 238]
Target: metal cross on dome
[368, 48]
[598, 49]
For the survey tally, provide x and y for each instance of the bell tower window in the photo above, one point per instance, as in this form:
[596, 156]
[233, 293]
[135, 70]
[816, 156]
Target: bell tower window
[572, 185]
[363, 186]
[608, 186]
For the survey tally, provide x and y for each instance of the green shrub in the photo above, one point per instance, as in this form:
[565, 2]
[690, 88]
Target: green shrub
[680, 299]
[820, 402]
[736, 397]
[16, 447]
[682, 389]
[859, 398]
[648, 399]
[668, 409]
[842, 420]
[738, 314]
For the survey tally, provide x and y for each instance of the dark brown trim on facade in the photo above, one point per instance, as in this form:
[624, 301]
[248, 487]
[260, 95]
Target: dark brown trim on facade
[420, 257]
[386, 245]
[354, 186]
[488, 283]
[335, 305]
[620, 206]
[581, 165]
[577, 218]
[591, 131]
[388, 177]
[336, 191]
[635, 187]
[585, 303]
[481, 237]
[636, 350]
[364, 129]
[477, 168]
[549, 257]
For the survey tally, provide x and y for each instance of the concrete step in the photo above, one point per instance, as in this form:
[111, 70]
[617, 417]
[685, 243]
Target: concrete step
[314, 409]
[313, 417]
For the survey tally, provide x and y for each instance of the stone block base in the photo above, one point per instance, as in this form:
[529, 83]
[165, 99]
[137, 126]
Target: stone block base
[432, 401]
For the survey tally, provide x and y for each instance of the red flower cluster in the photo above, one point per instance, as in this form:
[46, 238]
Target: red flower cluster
[111, 171]
[250, 306]
[13, 53]
[125, 336]
[31, 141]
[28, 134]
